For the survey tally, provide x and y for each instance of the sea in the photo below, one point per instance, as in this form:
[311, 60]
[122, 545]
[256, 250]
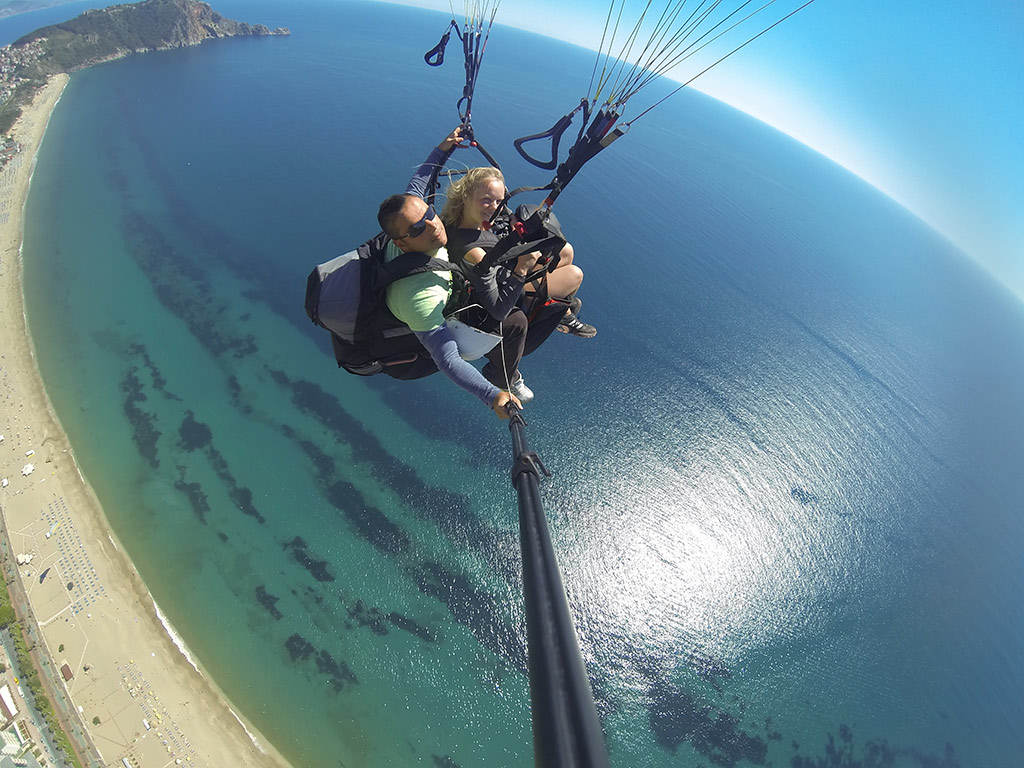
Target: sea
[785, 491]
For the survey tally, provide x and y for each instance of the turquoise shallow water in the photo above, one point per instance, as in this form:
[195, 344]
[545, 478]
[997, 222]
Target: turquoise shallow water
[785, 493]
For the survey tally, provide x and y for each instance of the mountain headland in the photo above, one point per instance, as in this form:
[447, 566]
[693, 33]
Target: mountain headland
[106, 34]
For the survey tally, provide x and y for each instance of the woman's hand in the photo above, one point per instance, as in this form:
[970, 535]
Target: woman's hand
[526, 263]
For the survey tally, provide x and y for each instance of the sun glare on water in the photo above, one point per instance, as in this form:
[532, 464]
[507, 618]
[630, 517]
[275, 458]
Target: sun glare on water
[693, 559]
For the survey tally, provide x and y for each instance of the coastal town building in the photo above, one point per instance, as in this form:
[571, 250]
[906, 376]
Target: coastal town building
[10, 744]
[8, 709]
[19, 738]
[21, 728]
[13, 61]
[15, 746]
[26, 761]
[8, 149]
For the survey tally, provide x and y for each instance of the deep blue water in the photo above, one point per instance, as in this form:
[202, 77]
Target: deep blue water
[786, 488]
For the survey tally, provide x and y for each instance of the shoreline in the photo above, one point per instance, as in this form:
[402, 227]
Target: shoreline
[137, 691]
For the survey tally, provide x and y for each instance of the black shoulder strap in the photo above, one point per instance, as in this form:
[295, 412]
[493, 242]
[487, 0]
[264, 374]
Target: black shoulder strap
[411, 264]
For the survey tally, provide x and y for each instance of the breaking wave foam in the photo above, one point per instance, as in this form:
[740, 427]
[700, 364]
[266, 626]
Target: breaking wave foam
[175, 637]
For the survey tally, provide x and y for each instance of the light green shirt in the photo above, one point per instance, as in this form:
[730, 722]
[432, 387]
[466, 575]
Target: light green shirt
[419, 300]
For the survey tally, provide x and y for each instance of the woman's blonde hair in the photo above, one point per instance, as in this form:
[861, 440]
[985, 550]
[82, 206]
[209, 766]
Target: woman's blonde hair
[459, 191]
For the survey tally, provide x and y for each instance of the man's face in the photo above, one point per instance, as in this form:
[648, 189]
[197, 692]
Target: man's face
[414, 214]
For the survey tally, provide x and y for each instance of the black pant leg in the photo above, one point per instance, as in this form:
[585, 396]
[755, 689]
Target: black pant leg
[544, 319]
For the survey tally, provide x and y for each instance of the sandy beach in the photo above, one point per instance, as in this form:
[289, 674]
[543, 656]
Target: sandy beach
[112, 662]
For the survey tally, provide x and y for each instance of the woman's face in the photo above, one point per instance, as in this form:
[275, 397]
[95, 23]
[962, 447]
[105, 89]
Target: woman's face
[484, 201]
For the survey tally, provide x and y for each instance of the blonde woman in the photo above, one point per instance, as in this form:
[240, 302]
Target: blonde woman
[472, 201]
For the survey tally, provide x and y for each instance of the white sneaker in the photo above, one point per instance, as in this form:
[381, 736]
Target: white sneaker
[520, 390]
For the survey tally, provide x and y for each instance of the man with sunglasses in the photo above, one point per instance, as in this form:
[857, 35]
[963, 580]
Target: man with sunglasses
[419, 301]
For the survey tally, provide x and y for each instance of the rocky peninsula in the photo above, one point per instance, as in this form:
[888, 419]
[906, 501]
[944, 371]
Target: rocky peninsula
[106, 34]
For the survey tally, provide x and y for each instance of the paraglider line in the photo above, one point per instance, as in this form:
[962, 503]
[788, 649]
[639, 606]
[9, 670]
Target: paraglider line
[734, 50]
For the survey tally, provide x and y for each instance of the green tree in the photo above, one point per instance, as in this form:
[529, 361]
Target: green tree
[7, 616]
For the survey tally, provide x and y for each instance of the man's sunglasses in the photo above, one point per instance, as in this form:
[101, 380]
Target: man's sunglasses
[420, 226]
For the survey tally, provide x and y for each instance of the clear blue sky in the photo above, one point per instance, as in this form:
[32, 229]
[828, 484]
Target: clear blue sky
[924, 100]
